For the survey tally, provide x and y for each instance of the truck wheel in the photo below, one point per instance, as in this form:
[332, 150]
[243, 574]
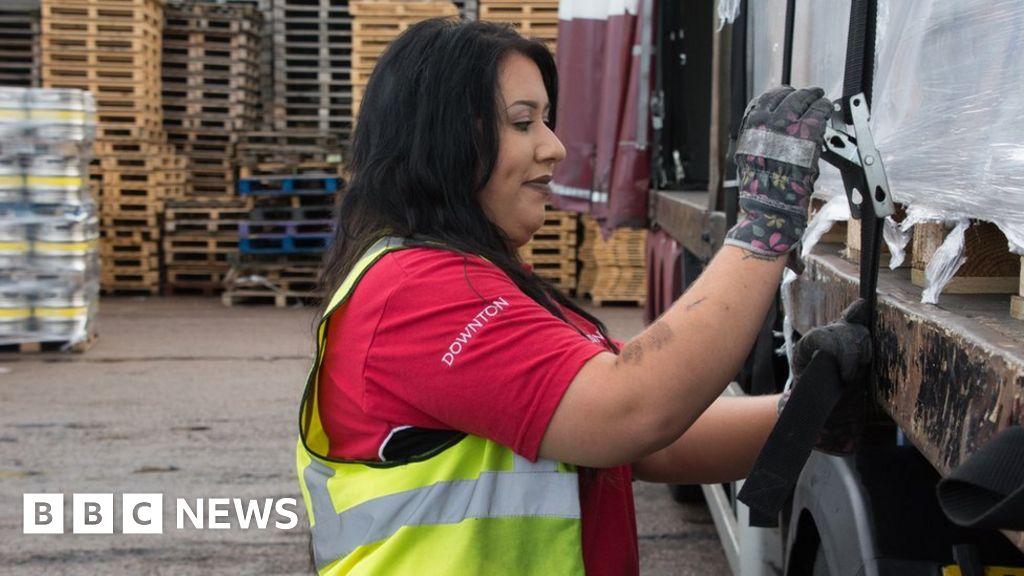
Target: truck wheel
[820, 567]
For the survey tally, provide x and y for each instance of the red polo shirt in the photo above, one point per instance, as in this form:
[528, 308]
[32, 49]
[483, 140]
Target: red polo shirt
[438, 340]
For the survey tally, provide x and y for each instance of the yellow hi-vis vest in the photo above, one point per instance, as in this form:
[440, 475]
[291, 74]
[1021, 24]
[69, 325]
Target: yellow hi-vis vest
[472, 507]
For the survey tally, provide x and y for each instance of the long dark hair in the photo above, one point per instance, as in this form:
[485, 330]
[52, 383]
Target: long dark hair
[425, 143]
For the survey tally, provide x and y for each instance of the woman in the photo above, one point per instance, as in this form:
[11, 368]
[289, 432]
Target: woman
[462, 417]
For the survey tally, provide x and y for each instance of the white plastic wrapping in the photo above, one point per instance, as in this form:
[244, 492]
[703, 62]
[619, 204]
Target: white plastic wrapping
[49, 274]
[728, 11]
[947, 105]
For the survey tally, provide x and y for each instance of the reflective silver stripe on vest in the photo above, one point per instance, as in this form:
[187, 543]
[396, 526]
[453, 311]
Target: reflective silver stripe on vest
[532, 490]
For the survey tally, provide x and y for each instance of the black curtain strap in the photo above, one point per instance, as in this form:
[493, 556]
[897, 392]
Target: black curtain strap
[987, 490]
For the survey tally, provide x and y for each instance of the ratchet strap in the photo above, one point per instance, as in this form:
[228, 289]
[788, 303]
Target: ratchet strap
[778, 466]
[987, 490]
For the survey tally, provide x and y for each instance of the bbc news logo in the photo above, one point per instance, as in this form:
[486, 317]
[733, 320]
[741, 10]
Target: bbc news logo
[144, 513]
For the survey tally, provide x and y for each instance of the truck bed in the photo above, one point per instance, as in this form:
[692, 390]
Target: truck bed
[950, 375]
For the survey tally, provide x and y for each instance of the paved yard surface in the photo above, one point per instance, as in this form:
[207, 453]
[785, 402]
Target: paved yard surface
[189, 399]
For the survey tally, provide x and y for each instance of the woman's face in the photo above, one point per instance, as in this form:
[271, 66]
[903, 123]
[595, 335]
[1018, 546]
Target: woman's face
[514, 196]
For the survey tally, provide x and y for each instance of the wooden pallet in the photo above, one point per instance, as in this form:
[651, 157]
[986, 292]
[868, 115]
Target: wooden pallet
[403, 9]
[540, 249]
[115, 248]
[1017, 302]
[990, 267]
[619, 284]
[42, 346]
[279, 299]
[19, 49]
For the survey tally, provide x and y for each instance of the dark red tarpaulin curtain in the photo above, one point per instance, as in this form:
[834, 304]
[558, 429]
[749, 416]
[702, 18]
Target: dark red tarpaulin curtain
[603, 109]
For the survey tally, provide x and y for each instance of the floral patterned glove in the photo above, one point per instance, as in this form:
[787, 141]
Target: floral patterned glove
[849, 341]
[777, 160]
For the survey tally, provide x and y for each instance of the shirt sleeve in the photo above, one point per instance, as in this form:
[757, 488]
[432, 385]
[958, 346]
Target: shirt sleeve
[459, 346]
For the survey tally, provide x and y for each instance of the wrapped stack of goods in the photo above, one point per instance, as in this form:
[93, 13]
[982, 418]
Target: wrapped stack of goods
[619, 263]
[532, 18]
[376, 23]
[113, 50]
[283, 239]
[312, 89]
[552, 250]
[211, 92]
[49, 269]
[19, 43]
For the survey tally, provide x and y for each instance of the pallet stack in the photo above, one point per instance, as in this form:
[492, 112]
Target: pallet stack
[532, 18]
[375, 24]
[19, 44]
[210, 87]
[619, 265]
[552, 250]
[112, 49]
[211, 92]
[283, 239]
[286, 153]
[312, 58]
[1017, 302]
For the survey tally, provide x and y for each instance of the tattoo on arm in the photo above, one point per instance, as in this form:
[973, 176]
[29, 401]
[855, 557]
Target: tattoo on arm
[749, 255]
[654, 338]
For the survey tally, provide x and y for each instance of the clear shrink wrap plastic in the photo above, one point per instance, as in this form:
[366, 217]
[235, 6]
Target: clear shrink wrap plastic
[946, 114]
[49, 270]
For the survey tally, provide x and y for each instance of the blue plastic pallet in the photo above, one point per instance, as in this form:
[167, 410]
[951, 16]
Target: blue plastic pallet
[311, 184]
[281, 244]
[273, 228]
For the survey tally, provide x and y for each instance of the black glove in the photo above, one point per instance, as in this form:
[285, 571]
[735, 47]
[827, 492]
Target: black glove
[777, 163]
[848, 340]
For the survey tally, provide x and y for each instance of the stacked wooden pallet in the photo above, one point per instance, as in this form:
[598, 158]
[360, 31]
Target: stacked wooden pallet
[112, 49]
[283, 239]
[312, 58]
[284, 153]
[552, 250]
[619, 264]
[19, 46]
[587, 264]
[532, 18]
[375, 24]
[1017, 302]
[211, 91]
[468, 9]
[210, 87]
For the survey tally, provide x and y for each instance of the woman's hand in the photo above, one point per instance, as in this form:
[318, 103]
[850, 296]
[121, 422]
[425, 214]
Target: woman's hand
[777, 161]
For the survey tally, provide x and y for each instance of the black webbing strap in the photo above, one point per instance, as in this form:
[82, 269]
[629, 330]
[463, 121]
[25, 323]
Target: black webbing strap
[790, 442]
[859, 79]
[987, 490]
[780, 462]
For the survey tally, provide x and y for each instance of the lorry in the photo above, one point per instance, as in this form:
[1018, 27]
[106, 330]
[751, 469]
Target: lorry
[948, 377]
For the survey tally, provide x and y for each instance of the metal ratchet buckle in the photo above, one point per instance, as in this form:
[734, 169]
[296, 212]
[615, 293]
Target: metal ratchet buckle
[857, 152]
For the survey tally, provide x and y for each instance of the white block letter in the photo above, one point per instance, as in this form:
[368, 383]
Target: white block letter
[195, 517]
[43, 514]
[218, 509]
[142, 513]
[92, 513]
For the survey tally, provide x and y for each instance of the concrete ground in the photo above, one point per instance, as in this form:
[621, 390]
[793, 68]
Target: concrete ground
[189, 399]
